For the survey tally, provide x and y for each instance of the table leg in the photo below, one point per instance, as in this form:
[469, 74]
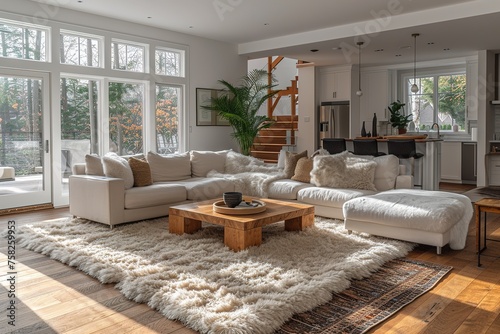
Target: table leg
[238, 240]
[478, 235]
[299, 223]
[181, 225]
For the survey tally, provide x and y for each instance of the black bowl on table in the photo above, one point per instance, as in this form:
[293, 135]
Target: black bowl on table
[232, 198]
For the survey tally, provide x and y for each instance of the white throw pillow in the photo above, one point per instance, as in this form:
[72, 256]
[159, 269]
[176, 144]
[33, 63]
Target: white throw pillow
[93, 165]
[116, 166]
[343, 170]
[386, 172]
[171, 167]
[203, 162]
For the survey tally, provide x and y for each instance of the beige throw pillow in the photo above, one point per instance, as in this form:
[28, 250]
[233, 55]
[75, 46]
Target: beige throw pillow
[344, 171]
[93, 165]
[141, 171]
[203, 162]
[116, 166]
[291, 162]
[170, 167]
[303, 170]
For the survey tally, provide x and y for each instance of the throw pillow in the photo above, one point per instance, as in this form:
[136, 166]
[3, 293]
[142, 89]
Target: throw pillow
[291, 162]
[170, 167]
[141, 171]
[93, 165]
[386, 172]
[203, 162]
[116, 166]
[303, 170]
[343, 170]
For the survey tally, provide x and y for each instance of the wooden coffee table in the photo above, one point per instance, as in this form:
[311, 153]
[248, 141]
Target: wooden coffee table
[240, 231]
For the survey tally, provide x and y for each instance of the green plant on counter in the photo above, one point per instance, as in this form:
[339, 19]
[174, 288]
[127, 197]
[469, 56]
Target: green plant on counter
[398, 119]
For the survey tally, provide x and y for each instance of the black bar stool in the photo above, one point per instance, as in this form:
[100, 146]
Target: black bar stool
[334, 145]
[366, 147]
[406, 149]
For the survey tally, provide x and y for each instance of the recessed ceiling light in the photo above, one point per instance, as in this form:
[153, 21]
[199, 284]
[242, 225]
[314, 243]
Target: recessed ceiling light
[314, 50]
[336, 48]
[379, 50]
[149, 17]
[191, 27]
[266, 24]
[446, 49]
[80, 1]
[398, 55]
[405, 47]
[430, 43]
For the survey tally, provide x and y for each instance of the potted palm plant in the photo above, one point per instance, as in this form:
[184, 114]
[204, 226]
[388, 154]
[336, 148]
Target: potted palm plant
[241, 104]
[398, 119]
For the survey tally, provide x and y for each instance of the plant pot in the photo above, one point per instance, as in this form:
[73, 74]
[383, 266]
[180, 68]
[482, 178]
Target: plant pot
[402, 131]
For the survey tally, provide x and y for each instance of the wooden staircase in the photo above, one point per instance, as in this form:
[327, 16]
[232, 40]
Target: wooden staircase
[270, 141]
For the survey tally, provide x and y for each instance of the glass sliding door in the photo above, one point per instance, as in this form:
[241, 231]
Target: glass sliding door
[79, 123]
[25, 170]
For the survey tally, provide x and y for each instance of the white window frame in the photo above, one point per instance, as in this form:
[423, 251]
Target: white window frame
[182, 56]
[145, 56]
[48, 40]
[100, 41]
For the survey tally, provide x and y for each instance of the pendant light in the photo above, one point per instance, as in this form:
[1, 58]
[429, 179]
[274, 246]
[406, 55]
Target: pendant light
[414, 87]
[359, 92]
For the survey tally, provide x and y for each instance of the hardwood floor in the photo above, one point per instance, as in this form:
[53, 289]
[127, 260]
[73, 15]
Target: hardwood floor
[54, 298]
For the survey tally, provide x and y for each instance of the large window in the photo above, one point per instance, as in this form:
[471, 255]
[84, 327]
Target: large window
[440, 99]
[125, 118]
[23, 42]
[77, 49]
[167, 118]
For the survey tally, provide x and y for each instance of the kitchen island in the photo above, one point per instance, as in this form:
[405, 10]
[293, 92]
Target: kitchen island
[431, 161]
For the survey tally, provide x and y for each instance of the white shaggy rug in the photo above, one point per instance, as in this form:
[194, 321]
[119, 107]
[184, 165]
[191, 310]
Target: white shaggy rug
[197, 280]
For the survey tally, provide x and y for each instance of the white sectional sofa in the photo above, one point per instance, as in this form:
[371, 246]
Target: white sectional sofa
[106, 193]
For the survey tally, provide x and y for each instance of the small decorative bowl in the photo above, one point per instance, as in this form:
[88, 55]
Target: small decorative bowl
[232, 198]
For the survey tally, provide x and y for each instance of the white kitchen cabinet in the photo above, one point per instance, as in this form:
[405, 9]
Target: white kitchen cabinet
[493, 172]
[451, 161]
[375, 98]
[472, 92]
[335, 83]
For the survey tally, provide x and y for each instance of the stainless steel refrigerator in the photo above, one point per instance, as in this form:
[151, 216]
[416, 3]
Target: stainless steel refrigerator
[333, 120]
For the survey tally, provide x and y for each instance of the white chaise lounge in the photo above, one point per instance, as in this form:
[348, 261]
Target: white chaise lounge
[433, 218]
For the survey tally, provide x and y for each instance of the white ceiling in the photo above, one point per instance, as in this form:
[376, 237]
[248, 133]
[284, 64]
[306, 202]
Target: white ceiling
[291, 28]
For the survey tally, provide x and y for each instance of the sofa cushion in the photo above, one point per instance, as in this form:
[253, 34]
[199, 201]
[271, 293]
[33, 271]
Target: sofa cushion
[116, 166]
[291, 162]
[286, 189]
[141, 171]
[199, 189]
[93, 165]
[171, 167]
[303, 170]
[155, 194]
[203, 162]
[330, 197]
[343, 170]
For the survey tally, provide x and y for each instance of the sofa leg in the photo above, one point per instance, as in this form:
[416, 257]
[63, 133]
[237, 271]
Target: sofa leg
[438, 250]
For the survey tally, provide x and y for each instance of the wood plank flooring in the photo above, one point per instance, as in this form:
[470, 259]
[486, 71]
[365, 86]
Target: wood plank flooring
[55, 298]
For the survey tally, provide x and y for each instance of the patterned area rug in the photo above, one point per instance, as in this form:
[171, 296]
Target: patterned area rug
[368, 302]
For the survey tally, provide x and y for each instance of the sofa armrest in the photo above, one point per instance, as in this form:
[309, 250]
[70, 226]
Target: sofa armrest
[97, 198]
[404, 182]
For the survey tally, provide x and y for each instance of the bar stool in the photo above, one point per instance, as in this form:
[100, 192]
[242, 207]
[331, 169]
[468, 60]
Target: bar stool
[334, 145]
[406, 149]
[366, 147]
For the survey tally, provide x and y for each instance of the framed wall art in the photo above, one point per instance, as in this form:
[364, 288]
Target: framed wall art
[208, 117]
